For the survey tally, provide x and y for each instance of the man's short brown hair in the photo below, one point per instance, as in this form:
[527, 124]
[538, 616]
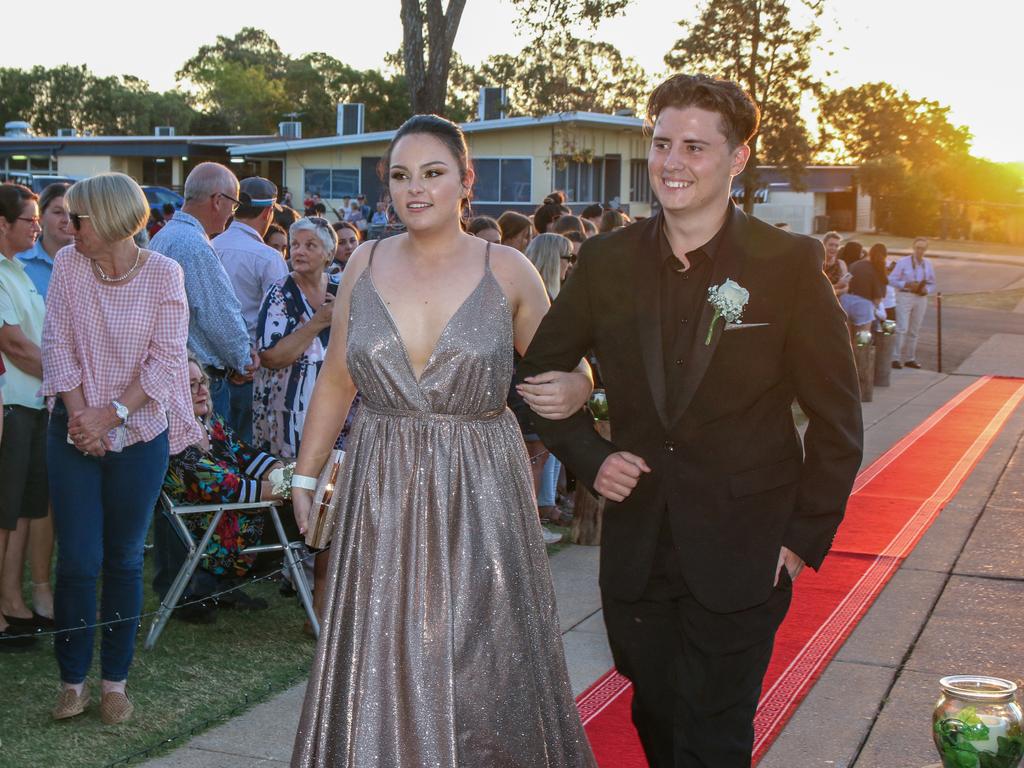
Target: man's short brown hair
[738, 112]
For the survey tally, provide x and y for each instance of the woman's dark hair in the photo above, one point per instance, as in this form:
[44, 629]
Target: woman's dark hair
[592, 211]
[286, 217]
[12, 200]
[566, 224]
[274, 228]
[547, 213]
[555, 198]
[511, 224]
[340, 225]
[611, 219]
[51, 193]
[852, 252]
[738, 113]
[479, 224]
[877, 254]
[445, 131]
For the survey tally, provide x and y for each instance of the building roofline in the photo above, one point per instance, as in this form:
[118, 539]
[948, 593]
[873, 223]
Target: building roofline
[476, 126]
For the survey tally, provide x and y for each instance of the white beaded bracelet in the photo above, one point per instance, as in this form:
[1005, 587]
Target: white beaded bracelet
[305, 482]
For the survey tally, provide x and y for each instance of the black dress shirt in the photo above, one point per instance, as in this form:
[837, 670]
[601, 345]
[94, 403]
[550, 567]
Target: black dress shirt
[683, 294]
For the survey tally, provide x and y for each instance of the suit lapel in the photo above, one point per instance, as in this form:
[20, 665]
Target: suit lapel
[728, 264]
[647, 295]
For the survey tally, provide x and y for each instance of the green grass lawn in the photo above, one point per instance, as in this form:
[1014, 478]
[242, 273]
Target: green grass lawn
[196, 677]
[958, 246]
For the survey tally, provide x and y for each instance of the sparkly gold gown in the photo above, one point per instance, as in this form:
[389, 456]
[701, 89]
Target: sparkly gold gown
[440, 646]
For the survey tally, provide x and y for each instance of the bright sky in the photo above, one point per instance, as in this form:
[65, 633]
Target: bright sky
[962, 57]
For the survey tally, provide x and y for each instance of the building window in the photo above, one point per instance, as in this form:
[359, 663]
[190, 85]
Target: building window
[332, 184]
[639, 182]
[503, 180]
[580, 181]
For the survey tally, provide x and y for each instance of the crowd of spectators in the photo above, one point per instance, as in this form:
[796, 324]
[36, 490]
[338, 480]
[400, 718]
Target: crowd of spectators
[873, 290]
[175, 351]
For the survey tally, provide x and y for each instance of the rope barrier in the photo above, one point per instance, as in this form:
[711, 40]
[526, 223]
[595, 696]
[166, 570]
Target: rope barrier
[197, 601]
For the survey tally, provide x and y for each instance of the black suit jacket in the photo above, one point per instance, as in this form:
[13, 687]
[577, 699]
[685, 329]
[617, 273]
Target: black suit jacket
[727, 462]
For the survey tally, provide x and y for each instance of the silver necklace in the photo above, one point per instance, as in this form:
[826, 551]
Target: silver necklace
[108, 279]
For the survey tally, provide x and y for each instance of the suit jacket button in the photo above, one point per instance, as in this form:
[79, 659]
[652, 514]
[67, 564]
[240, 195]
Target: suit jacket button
[670, 446]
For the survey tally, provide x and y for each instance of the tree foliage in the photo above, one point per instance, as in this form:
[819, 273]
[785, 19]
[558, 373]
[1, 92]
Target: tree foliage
[73, 97]
[428, 34]
[563, 73]
[755, 43]
[914, 160]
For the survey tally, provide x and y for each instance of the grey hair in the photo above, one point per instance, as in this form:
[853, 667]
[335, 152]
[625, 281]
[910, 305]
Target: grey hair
[545, 251]
[324, 232]
[208, 179]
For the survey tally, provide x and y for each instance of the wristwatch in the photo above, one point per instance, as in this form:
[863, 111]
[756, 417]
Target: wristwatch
[122, 412]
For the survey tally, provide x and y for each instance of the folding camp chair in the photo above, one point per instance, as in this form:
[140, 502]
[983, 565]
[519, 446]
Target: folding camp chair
[196, 551]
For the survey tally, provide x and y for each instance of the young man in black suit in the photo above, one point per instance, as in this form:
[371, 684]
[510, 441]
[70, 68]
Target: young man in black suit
[714, 505]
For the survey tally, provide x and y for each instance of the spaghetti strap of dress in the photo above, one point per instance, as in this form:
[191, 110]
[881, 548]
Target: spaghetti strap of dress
[373, 250]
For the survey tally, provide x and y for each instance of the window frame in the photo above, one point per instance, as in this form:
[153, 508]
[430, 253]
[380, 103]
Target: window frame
[330, 176]
[499, 159]
[596, 171]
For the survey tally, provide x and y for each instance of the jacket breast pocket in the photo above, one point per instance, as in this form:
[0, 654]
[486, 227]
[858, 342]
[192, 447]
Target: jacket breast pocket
[766, 478]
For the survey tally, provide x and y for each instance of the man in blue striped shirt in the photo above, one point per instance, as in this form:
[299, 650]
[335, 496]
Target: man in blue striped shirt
[217, 335]
[913, 277]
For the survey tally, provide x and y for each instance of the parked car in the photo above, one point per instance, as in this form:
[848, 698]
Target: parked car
[158, 197]
[37, 182]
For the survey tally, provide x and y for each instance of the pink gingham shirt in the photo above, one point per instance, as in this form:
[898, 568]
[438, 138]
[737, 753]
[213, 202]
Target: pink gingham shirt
[105, 336]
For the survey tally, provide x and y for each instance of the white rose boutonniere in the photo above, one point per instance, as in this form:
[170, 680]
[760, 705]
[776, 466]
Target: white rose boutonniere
[728, 299]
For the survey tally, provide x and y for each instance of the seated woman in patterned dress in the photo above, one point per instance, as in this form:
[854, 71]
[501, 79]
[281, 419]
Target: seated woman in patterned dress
[220, 468]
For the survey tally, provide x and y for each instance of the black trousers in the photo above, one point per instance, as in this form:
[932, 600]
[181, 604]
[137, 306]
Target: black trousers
[696, 674]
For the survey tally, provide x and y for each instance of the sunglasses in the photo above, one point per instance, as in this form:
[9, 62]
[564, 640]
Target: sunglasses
[234, 203]
[571, 258]
[320, 221]
[29, 219]
[76, 219]
[198, 384]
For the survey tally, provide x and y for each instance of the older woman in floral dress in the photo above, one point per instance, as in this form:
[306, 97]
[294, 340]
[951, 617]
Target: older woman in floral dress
[292, 333]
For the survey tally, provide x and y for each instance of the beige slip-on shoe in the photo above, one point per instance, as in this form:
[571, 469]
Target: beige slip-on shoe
[70, 704]
[115, 708]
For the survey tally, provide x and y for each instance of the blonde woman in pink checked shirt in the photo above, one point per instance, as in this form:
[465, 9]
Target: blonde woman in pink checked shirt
[115, 371]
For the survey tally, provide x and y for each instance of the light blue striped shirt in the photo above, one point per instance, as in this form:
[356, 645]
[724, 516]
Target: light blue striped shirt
[907, 271]
[216, 331]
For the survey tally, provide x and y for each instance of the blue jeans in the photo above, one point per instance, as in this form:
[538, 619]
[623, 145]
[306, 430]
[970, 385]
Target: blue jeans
[549, 482]
[220, 398]
[239, 416]
[102, 508]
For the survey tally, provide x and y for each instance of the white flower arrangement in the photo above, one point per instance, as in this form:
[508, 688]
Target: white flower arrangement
[863, 338]
[281, 480]
[888, 327]
[728, 299]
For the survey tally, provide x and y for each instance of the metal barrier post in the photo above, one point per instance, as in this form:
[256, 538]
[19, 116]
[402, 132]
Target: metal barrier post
[938, 320]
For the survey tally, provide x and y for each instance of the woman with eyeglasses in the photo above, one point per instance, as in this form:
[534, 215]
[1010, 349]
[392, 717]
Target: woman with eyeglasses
[53, 218]
[116, 376]
[219, 468]
[23, 496]
[553, 257]
[440, 643]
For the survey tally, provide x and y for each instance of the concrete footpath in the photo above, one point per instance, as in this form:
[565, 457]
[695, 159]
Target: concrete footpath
[953, 607]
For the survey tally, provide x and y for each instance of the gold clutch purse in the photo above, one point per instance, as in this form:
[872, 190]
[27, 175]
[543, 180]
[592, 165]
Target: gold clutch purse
[324, 513]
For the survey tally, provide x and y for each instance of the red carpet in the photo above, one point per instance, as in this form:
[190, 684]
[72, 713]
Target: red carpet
[893, 503]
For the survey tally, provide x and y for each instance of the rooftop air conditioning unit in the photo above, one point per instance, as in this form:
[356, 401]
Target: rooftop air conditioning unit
[67, 132]
[350, 119]
[164, 130]
[17, 128]
[291, 129]
[492, 104]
